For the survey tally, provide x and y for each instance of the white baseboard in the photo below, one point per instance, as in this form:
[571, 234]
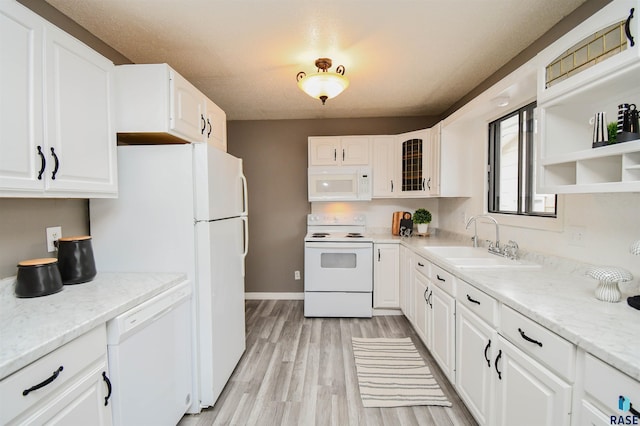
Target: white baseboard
[274, 296]
[377, 312]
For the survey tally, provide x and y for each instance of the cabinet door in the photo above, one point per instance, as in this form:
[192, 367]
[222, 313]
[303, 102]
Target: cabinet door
[21, 98]
[215, 132]
[443, 330]
[385, 184]
[414, 163]
[421, 307]
[386, 291]
[406, 283]
[81, 141]
[475, 344]
[187, 109]
[523, 383]
[433, 152]
[354, 151]
[82, 403]
[323, 151]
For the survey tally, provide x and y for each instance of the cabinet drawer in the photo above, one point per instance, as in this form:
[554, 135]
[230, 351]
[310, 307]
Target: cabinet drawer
[539, 342]
[442, 279]
[480, 303]
[422, 266]
[73, 358]
[606, 384]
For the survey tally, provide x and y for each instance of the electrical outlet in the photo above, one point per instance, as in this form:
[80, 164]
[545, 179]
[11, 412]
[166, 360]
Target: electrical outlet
[577, 235]
[296, 275]
[53, 234]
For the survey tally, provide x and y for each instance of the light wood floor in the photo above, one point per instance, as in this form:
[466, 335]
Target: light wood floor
[300, 371]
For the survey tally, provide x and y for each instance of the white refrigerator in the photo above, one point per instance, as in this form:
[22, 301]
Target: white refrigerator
[183, 208]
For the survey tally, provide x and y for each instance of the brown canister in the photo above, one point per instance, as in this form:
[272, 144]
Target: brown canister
[395, 223]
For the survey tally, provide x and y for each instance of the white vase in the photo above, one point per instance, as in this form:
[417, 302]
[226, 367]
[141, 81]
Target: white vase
[608, 292]
[423, 228]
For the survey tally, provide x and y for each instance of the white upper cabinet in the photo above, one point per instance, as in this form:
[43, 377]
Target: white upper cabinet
[56, 132]
[384, 166]
[401, 165]
[593, 68]
[339, 151]
[21, 34]
[187, 108]
[215, 132]
[156, 104]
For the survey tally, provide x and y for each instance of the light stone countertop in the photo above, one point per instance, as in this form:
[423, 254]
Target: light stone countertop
[31, 328]
[558, 296]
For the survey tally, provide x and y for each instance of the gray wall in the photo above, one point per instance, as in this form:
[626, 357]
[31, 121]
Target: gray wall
[275, 162]
[23, 223]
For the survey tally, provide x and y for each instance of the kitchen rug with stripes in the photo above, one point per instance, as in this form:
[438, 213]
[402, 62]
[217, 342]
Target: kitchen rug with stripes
[391, 373]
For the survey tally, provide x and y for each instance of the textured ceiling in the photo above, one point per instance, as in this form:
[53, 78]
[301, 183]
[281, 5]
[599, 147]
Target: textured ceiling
[402, 57]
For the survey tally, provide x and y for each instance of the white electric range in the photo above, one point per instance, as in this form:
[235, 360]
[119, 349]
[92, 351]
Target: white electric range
[338, 260]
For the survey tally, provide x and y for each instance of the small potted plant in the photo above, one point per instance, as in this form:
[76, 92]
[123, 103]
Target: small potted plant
[422, 217]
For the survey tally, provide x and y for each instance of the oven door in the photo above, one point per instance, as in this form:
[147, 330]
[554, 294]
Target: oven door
[344, 267]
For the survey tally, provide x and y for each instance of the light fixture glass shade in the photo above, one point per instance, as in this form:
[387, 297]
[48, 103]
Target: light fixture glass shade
[323, 84]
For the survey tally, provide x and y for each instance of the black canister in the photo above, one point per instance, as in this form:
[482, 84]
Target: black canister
[75, 260]
[38, 277]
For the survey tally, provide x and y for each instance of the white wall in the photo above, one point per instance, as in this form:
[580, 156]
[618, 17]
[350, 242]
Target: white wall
[380, 212]
[591, 228]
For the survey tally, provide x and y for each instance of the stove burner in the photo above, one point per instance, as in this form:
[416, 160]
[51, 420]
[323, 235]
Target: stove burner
[354, 235]
[319, 235]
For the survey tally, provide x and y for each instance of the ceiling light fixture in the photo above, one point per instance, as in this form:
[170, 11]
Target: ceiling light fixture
[323, 85]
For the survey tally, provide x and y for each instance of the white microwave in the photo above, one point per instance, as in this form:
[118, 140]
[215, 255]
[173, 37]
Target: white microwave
[339, 183]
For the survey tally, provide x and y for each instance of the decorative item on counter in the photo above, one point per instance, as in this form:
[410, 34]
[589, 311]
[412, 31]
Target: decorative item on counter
[422, 217]
[612, 128]
[609, 278]
[634, 301]
[75, 259]
[630, 128]
[406, 225]
[395, 222]
[38, 277]
[600, 134]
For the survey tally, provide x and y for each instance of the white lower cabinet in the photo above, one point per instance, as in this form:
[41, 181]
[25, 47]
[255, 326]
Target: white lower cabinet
[69, 386]
[475, 347]
[500, 384]
[386, 275]
[421, 308]
[527, 393]
[406, 283]
[434, 315]
[443, 333]
[604, 395]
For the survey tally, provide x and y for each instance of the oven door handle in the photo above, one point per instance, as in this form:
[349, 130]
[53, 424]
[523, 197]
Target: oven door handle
[345, 246]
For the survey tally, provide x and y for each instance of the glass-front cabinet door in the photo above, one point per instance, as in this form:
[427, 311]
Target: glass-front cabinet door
[414, 162]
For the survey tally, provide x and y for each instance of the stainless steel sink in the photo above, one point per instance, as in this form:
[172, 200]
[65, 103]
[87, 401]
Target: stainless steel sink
[477, 258]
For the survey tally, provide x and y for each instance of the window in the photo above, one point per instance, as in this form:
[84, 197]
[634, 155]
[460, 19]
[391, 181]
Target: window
[512, 180]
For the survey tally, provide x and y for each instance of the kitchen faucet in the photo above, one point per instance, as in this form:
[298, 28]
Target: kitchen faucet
[509, 251]
[493, 247]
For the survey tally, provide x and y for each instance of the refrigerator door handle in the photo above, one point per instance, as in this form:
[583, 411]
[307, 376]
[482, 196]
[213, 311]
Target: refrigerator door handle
[245, 222]
[245, 195]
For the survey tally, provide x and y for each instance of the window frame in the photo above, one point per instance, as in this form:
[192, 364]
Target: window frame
[526, 163]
